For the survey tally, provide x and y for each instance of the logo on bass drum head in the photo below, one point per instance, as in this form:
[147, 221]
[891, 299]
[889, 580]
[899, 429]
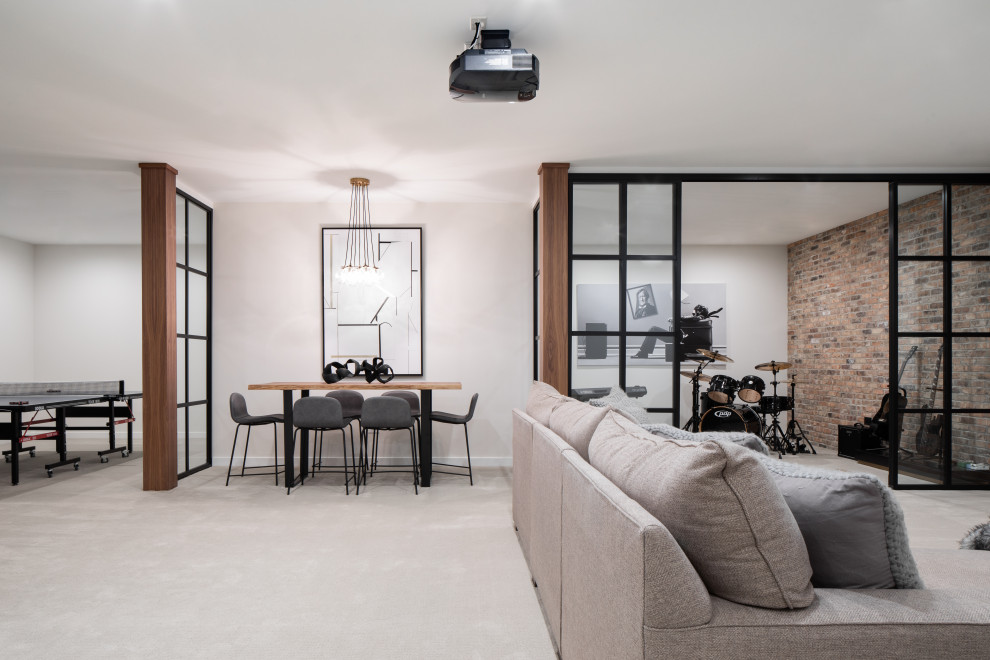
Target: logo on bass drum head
[723, 413]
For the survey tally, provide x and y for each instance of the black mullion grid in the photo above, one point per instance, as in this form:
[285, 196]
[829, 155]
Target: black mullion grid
[947, 334]
[185, 260]
[623, 281]
[893, 340]
[676, 239]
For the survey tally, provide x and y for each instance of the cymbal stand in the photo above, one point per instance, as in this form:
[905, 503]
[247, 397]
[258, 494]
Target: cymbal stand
[794, 430]
[693, 423]
[773, 434]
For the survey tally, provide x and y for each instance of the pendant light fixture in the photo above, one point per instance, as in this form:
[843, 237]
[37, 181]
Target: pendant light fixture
[360, 266]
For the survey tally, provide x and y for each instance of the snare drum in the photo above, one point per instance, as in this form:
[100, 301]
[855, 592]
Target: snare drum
[722, 388]
[731, 418]
[776, 404]
[751, 389]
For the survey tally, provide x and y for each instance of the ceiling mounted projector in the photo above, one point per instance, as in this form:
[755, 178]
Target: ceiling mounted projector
[495, 72]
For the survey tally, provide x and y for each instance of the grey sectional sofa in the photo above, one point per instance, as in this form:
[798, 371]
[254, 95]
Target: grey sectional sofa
[614, 583]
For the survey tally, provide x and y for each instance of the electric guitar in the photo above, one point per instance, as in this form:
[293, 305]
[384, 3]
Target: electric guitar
[929, 438]
[879, 422]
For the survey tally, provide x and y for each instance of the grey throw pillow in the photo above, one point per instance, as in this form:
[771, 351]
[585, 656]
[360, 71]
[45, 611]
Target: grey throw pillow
[747, 440]
[618, 399]
[719, 503]
[852, 526]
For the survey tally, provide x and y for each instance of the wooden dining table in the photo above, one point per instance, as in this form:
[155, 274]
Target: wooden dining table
[425, 389]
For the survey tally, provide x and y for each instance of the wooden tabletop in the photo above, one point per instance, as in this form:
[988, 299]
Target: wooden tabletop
[360, 384]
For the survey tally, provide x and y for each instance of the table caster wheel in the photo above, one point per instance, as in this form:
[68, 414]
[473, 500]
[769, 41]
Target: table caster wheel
[104, 459]
[6, 459]
[124, 454]
[50, 473]
[75, 466]
[31, 453]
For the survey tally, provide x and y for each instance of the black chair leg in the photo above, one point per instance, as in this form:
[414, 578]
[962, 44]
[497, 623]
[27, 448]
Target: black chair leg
[275, 437]
[415, 461]
[467, 446]
[232, 451]
[247, 441]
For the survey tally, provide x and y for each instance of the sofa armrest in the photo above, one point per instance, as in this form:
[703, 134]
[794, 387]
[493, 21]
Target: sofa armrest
[522, 459]
[621, 570]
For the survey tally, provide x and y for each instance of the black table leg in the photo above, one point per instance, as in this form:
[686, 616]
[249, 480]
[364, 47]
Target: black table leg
[61, 445]
[425, 437]
[288, 451]
[303, 448]
[15, 446]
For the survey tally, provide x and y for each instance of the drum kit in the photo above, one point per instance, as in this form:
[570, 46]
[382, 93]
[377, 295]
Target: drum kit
[757, 412]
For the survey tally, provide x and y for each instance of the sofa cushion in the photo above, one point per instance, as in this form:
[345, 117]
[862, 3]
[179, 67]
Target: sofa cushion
[575, 422]
[721, 505]
[542, 400]
[618, 399]
[852, 526]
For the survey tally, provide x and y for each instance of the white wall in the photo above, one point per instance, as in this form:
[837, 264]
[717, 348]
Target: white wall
[477, 322]
[17, 300]
[756, 307]
[87, 318]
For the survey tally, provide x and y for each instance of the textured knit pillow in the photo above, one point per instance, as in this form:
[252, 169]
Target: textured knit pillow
[575, 422]
[719, 503]
[620, 401]
[542, 400]
[852, 526]
[747, 440]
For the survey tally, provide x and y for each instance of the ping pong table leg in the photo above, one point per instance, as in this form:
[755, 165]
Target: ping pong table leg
[15, 446]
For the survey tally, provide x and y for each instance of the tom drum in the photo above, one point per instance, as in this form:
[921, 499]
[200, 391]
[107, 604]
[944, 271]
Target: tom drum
[751, 389]
[731, 418]
[722, 388]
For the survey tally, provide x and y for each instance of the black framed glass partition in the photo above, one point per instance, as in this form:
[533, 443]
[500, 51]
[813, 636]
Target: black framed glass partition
[940, 332]
[623, 272]
[193, 294]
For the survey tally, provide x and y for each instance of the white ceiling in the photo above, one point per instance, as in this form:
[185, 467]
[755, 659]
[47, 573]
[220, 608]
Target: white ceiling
[283, 102]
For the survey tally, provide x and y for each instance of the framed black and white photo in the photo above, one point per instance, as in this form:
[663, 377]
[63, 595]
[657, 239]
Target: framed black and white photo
[384, 318]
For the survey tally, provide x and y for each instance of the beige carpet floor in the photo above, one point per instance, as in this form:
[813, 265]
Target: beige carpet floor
[97, 568]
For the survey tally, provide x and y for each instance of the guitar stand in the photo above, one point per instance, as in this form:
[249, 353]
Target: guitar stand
[695, 421]
[796, 433]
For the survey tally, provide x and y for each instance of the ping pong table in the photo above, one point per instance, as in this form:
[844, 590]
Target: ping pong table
[51, 405]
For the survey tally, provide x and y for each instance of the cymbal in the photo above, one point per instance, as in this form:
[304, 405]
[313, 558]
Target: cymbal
[715, 355]
[773, 365]
[702, 377]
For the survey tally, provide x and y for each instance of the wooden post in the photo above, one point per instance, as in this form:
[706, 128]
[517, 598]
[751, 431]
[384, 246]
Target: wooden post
[158, 325]
[554, 280]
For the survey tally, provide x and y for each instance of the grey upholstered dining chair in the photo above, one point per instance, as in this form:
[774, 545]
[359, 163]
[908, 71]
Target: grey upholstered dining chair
[350, 403]
[448, 418]
[320, 414]
[387, 413]
[239, 413]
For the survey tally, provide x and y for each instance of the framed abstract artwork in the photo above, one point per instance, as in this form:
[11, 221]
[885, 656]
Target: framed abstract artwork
[384, 318]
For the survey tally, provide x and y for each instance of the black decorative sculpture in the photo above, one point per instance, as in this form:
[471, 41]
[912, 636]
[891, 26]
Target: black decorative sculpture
[374, 370]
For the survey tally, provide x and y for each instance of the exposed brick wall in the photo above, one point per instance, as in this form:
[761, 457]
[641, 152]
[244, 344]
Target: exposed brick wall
[838, 326]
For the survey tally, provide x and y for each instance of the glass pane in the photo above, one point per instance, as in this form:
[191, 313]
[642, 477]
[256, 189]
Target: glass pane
[197, 237]
[180, 428]
[180, 371]
[180, 230]
[970, 449]
[180, 300]
[651, 384]
[595, 210]
[197, 435]
[971, 373]
[917, 359]
[648, 297]
[919, 220]
[197, 369]
[650, 219]
[920, 461]
[970, 220]
[919, 296]
[197, 304]
[596, 296]
[971, 296]
[594, 373]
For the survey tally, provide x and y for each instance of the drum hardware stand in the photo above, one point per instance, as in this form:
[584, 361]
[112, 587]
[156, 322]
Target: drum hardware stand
[774, 436]
[794, 431]
[696, 377]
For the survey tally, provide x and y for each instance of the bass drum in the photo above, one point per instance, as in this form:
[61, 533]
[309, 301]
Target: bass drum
[735, 418]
